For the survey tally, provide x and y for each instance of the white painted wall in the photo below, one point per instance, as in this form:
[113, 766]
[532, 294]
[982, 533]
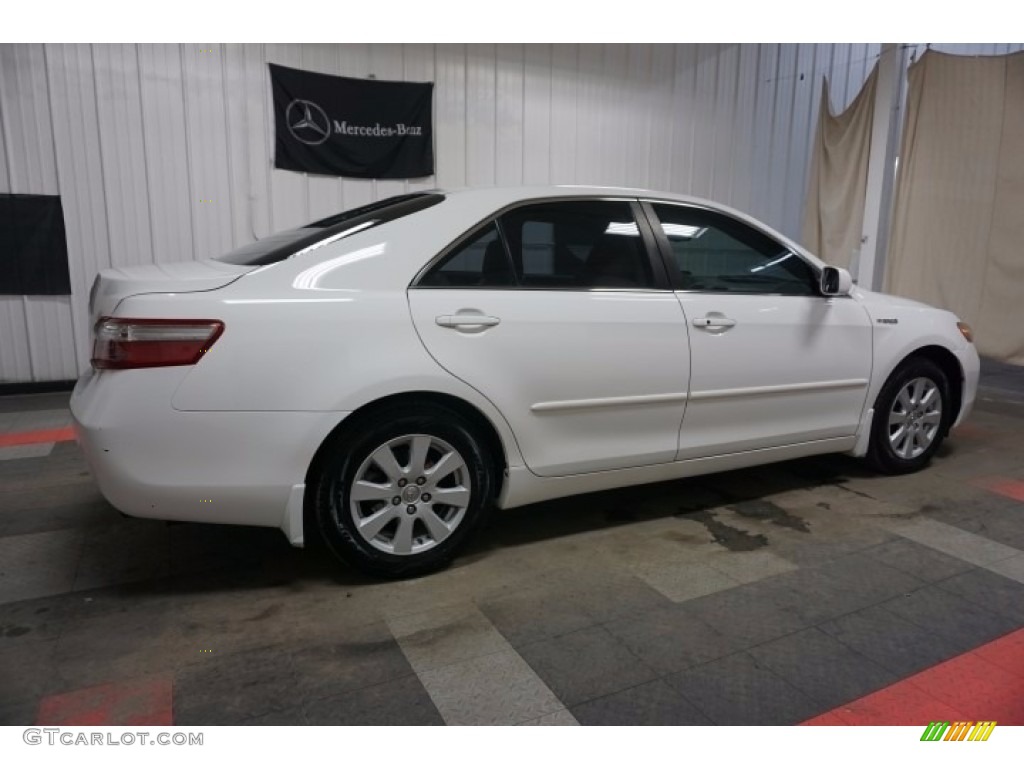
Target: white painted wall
[133, 137]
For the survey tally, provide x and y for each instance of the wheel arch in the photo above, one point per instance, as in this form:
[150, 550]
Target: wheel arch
[950, 365]
[487, 431]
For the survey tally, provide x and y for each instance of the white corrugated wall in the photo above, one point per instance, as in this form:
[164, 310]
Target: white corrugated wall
[136, 139]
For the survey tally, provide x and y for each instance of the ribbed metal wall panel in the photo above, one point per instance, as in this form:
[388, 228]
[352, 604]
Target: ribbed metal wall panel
[164, 152]
[38, 346]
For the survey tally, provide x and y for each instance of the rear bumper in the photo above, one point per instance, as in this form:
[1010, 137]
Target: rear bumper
[150, 460]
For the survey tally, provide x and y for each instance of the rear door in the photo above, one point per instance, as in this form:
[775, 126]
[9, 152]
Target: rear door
[557, 313]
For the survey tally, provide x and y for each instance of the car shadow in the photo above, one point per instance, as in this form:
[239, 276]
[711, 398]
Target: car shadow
[674, 498]
[220, 558]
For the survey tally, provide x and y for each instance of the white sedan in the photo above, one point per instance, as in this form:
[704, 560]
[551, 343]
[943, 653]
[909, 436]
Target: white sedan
[386, 376]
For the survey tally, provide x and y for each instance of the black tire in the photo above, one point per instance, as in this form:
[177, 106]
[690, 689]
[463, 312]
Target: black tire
[881, 455]
[354, 445]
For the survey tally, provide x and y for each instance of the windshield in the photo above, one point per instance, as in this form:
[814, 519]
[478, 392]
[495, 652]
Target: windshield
[281, 245]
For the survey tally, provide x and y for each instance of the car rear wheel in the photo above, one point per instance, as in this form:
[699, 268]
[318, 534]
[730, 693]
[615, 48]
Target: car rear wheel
[399, 496]
[911, 418]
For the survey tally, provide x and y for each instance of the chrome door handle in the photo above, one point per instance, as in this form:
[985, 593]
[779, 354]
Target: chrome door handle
[466, 321]
[714, 322]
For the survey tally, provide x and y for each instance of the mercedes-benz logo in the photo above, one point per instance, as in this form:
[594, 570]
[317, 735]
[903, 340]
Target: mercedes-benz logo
[307, 122]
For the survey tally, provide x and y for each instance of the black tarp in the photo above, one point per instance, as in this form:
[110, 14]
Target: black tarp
[33, 248]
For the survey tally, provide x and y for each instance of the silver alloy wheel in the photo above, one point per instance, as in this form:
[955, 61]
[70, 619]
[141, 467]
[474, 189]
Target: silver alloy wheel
[915, 417]
[410, 494]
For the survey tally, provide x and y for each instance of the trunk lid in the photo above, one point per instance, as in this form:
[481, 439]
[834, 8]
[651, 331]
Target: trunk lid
[117, 283]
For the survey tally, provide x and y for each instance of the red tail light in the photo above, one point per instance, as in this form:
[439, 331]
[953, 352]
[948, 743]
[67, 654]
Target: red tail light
[141, 343]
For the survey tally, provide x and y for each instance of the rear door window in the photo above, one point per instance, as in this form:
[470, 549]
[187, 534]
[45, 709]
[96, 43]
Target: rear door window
[480, 262]
[576, 245]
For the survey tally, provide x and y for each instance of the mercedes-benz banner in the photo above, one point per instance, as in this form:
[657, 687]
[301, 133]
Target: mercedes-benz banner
[344, 126]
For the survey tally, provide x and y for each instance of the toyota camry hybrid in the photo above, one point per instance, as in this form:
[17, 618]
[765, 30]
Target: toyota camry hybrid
[384, 377]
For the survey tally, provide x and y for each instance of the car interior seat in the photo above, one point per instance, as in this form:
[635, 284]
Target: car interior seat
[614, 264]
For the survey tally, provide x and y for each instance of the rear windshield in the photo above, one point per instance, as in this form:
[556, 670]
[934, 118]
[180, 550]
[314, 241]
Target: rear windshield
[281, 245]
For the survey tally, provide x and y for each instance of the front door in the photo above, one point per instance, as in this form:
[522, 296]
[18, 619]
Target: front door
[773, 361]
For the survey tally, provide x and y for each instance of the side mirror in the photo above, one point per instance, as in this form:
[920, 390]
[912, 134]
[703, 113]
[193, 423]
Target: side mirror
[835, 281]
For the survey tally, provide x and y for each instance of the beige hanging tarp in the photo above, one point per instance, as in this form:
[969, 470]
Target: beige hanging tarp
[834, 208]
[958, 226]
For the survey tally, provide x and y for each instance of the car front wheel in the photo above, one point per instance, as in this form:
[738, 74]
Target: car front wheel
[400, 498]
[911, 418]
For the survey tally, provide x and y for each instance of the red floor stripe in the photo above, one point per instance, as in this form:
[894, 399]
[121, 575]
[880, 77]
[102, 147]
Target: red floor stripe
[984, 684]
[1004, 486]
[144, 701]
[1007, 652]
[970, 432]
[37, 436]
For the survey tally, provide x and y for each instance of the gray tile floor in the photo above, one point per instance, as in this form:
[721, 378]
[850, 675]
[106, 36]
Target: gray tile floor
[762, 596]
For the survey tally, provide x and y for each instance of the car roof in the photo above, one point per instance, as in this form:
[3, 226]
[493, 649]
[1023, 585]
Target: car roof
[508, 195]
